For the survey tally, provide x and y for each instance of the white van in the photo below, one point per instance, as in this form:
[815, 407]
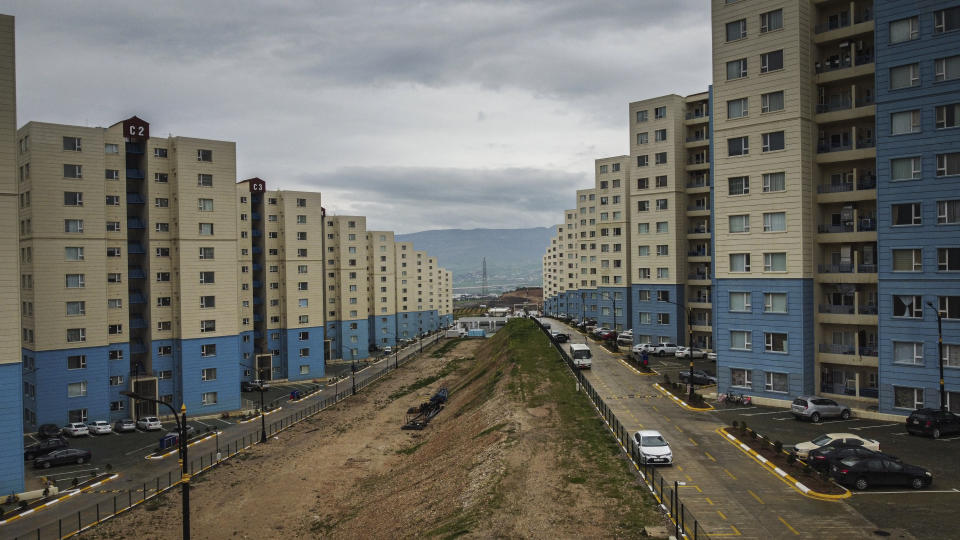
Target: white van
[581, 355]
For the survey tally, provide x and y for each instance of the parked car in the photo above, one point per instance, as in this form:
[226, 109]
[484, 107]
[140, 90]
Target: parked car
[699, 377]
[625, 338]
[687, 352]
[653, 448]
[599, 330]
[253, 386]
[933, 422]
[847, 439]
[825, 458]
[814, 408]
[99, 427]
[608, 335]
[388, 350]
[125, 425]
[149, 423]
[862, 473]
[61, 457]
[712, 356]
[641, 348]
[191, 431]
[665, 348]
[44, 447]
[76, 429]
[45, 431]
[559, 337]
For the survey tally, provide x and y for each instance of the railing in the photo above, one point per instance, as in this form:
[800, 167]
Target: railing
[695, 138]
[868, 351]
[840, 22]
[844, 228]
[698, 184]
[836, 309]
[698, 253]
[867, 182]
[863, 16]
[866, 268]
[682, 520]
[698, 230]
[699, 276]
[696, 114]
[698, 160]
[867, 310]
[846, 268]
[826, 148]
[864, 101]
[844, 104]
[837, 349]
[697, 208]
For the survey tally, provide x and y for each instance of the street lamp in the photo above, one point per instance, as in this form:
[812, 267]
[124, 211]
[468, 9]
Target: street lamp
[353, 369]
[182, 442]
[263, 412]
[943, 394]
[689, 313]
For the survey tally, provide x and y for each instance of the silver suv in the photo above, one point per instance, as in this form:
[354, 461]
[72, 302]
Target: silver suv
[815, 408]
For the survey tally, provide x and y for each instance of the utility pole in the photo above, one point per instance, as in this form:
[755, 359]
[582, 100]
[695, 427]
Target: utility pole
[943, 394]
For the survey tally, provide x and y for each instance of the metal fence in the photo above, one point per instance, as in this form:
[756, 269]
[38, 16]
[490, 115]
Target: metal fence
[67, 524]
[666, 492]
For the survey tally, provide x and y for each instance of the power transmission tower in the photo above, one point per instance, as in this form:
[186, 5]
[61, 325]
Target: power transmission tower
[484, 272]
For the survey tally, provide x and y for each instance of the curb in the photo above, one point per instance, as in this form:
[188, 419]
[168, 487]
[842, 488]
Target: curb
[680, 402]
[175, 450]
[780, 473]
[637, 371]
[257, 417]
[66, 495]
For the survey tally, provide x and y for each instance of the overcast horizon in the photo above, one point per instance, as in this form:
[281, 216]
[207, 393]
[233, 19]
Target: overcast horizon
[418, 115]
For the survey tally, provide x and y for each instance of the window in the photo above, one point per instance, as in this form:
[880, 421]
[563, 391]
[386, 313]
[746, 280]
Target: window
[76, 335]
[663, 227]
[740, 378]
[304, 352]
[660, 135]
[774, 302]
[161, 227]
[641, 116]
[771, 20]
[946, 20]
[78, 361]
[905, 122]
[72, 171]
[643, 183]
[738, 146]
[663, 318]
[740, 339]
[907, 398]
[736, 69]
[739, 185]
[773, 141]
[112, 200]
[114, 277]
[776, 382]
[774, 222]
[77, 389]
[303, 302]
[301, 203]
[905, 168]
[740, 301]
[164, 350]
[301, 236]
[739, 223]
[209, 325]
[205, 205]
[73, 225]
[737, 108]
[114, 303]
[907, 260]
[950, 307]
[736, 30]
[948, 164]
[643, 206]
[301, 253]
[208, 398]
[660, 113]
[75, 281]
[71, 144]
[163, 301]
[74, 253]
[111, 174]
[301, 219]
[661, 181]
[162, 252]
[946, 69]
[643, 251]
[643, 273]
[163, 276]
[907, 214]
[904, 29]
[947, 116]
[206, 229]
[115, 329]
[207, 277]
[160, 178]
[663, 273]
[775, 342]
[662, 204]
[603, 169]
[774, 262]
[739, 262]
[161, 202]
[302, 269]
[643, 161]
[304, 319]
[159, 152]
[904, 76]
[205, 180]
[948, 212]
[208, 302]
[204, 155]
[907, 306]
[302, 286]
[660, 158]
[642, 138]
[951, 357]
[116, 380]
[771, 61]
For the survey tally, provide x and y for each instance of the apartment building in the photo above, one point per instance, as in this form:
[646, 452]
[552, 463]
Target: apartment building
[11, 367]
[383, 289]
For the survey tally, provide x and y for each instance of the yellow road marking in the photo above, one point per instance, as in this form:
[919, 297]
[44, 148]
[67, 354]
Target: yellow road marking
[723, 517]
[730, 474]
[688, 478]
[693, 441]
[736, 532]
[754, 495]
[679, 468]
[794, 531]
[655, 408]
[678, 428]
[711, 457]
[708, 501]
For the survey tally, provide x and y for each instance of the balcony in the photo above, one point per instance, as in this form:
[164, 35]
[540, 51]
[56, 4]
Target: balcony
[137, 347]
[865, 315]
[849, 232]
[134, 198]
[134, 223]
[867, 182]
[837, 349]
[134, 248]
[137, 323]
[136, 297]
[134, 174]
[255, 216]
[841, 65]
[135, 272]
[134, 148]
[257, 284]
[697, 115]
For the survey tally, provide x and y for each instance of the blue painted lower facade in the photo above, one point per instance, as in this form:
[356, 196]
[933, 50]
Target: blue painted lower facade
[735, 364]
[11, 428]
[54, 397]
[222, 393]
[383, 331]
[349, 340]
[613, 307]
[304, 359]
[655, 321]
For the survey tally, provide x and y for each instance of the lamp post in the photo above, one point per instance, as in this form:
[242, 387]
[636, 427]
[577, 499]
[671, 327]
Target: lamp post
[184, 464]
[689, 321]
[943, 394]
[263, 415]
[353, 369]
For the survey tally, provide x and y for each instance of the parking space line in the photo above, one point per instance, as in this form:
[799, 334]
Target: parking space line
[679, 468]
[688, 478]
[769, 412]
[737, 409]
[723, 517]
[713, 459]
[730, 474]
[223, 421]
[754, 495]
[138, 450]
[204, 424]
[904, 492]
[876, 426]
[678, 428]
[708, 501]
[693, 441]
[794, 531]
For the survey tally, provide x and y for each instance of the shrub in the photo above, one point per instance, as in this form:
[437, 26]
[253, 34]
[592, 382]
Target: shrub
[666, 378]
[778, 446]
[743, 426]
[753, 434]
[735, 424]
[791, 458]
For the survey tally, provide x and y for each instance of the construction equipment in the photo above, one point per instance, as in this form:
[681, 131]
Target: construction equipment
[419, 417]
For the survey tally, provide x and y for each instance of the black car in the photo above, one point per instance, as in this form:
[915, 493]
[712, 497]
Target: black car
[933, 422]
[560, 337]
[862, 473]
[826, 457]
[251, 386]
[46, 431]
[44, 447]
[61, 457]
[699, 377]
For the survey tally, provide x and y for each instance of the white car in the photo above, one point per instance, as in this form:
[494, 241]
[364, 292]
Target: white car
[99, 427]
[712, 356]
[76, 429]
[149, 423]
[685, 352]
[625, 338]
[388, 350]
[599, 330]
[640, 348]
[653, 448]
[835, 439]
[665, 348]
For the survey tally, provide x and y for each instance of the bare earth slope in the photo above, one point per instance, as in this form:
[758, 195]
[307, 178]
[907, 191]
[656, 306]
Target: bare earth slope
[495, 462]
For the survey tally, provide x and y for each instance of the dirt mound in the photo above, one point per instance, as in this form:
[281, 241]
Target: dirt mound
[495, 462]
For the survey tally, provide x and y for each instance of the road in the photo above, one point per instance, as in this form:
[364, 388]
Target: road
[728, 493]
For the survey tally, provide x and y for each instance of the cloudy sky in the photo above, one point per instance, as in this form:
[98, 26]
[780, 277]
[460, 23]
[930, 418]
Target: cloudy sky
[418, 114]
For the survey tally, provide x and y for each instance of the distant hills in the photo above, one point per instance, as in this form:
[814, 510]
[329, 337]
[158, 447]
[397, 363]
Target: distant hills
[514, 256]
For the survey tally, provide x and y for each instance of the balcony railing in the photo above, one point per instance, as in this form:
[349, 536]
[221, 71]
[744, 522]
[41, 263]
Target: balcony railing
[697, 114]
[843, 62]
[697, 208]
[825, 148]
[695, 138]
[837, 309]
[844, 228]
[698, 183]
[698, 253]
[868, 181]
[867, 310]
[846, 268]
[699, 275]
[698, 230]
[866, 268]
[837, 349]
[867, 224]
[840, 105]
[699, 159]
[868, 351]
